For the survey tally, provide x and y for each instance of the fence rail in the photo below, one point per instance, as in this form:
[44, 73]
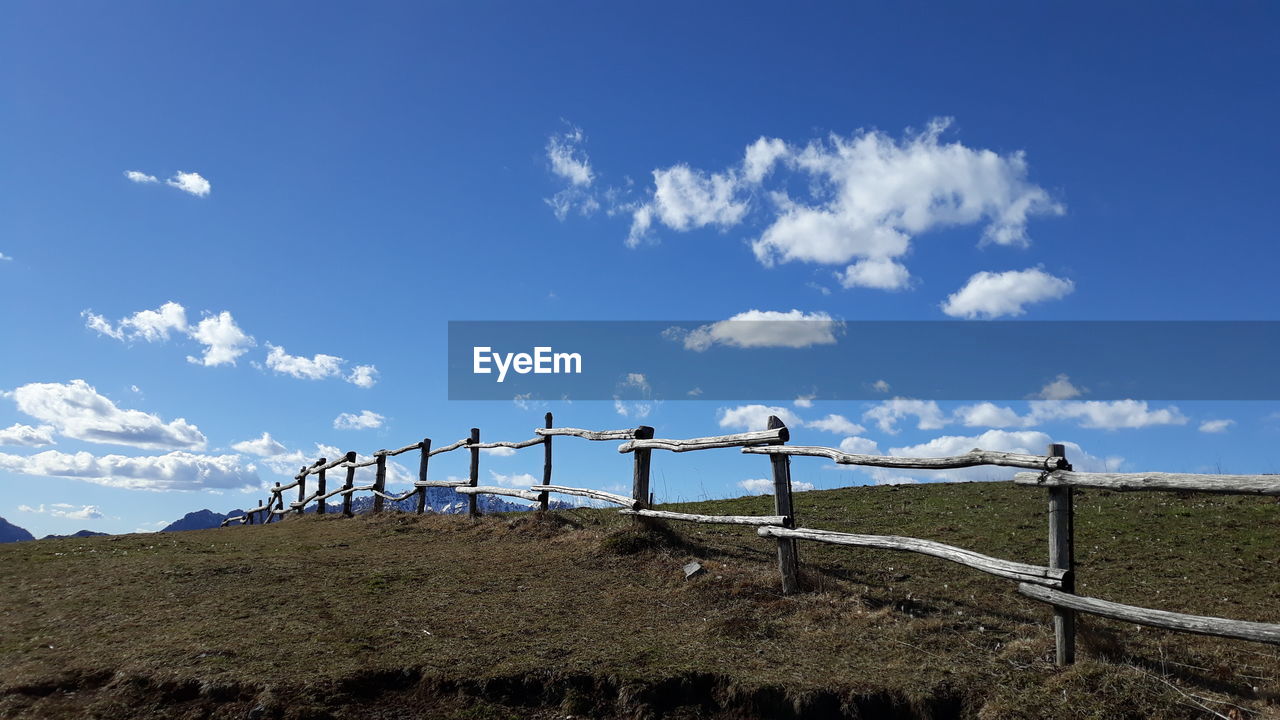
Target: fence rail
[1053, 584]
[1174, 482]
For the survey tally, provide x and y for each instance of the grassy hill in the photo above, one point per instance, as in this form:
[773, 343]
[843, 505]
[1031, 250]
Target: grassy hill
[581, 614]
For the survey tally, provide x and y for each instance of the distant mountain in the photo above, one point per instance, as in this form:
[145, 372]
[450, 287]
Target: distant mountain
[12, 533]
[444, 501]
[199, 520]
[79, 534]
[440, 501]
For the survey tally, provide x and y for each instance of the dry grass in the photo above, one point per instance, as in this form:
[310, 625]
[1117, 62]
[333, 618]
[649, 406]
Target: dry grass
[582, 613]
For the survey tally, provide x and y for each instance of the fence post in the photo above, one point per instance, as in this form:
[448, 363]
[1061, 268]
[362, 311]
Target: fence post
[350, 483]
[275, 495]
[302, 488]
[1062, 557]
[473, 509]
[788, 560]
[640, 472]
[379, 482]
[422, 475]
[546, 466]
[320, 488]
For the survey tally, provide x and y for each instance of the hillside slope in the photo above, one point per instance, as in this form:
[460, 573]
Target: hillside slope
[12, 533]
[579, 613]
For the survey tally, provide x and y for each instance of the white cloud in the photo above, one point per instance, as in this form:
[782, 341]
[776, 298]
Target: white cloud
[684, 198]
[1108, 415]
[868, 196]
[989, 415]
[318, 367]
[1060, 389]
[762, 486]
[365, 376]
[140, 177]
[223, 340]
[518, 480]
[804, 401]
[993, 295]
[524, 401]
[877, 273]
[289, 463]
[756, 417]
[4, 257]
[1031, 442]
[887, 414]
[837, 424]
[26, 435]
[762, 328]
[880, 386]
[499, 451]
[265, 446]
[879, 193]
[65, 510]
[1216, 426]
[172, 471]
[859, 446]
[150, 325]
[190, 182]
[366, 420]
[760, 158]
[76, 410]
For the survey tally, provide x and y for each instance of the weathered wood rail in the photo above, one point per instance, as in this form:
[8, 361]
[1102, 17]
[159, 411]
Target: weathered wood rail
[1053, 584]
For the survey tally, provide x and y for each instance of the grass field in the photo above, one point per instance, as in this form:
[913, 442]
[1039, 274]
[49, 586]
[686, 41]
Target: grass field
[582, 614]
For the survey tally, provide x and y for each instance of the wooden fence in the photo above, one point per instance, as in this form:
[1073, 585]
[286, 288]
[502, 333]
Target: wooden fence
[1053, 583]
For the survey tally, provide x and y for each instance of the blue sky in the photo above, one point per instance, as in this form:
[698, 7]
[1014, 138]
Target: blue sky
[342, 181]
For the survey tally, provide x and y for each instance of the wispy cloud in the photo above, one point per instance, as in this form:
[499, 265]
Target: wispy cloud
[66, 510]
[763, 486]
[520, 480]
[366, 420]
[192, 183]
[1216, 426]
[569, 163]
